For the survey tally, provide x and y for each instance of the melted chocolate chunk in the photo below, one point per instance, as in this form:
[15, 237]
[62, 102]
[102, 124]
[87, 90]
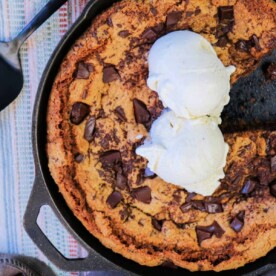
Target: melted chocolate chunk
[186, 207]
[149, 34]
[213, 229]
[255, 42]
[237, 222]
[213, 208]
[243, 46]
[83, 70]
[109, 22]
[270, 71]
[142, 194]
[114, 199]
[198, 205]
[142, 115]
[157, 224]
[217, 230]
[159, 28]
[111, 158]
[124, 33]
[148, 173]
[249, 186]
[197, 11]
[224, 29]
[226, 13]
[120, 113]
[121, 181]
[89, 129]
[246, 45]
[79, 158]
[222, 41]
[173, 18]
[79, 112]
[202, 235]
[110, 74]
[124, 214]
[272, 188]
[190, 196]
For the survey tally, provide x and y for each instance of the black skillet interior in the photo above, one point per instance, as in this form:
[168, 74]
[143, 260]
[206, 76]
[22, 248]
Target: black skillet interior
[39, 141]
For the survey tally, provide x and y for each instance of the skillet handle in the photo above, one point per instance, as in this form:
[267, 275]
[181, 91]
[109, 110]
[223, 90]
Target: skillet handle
[40, 197]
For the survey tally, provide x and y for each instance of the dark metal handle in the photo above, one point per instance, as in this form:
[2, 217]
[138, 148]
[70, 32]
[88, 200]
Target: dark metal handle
[51, 7]
[40, 197]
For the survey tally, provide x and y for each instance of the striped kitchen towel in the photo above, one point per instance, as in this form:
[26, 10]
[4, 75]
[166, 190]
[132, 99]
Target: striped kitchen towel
[16, 160]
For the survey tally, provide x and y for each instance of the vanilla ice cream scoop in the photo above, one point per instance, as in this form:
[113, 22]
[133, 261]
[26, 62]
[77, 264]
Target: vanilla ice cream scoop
[188, 153]
[188, 76]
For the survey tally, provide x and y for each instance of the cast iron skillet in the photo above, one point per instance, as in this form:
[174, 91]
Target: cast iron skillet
[45, 191]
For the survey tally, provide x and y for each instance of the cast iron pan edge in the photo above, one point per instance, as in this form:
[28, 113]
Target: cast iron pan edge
[45, 191]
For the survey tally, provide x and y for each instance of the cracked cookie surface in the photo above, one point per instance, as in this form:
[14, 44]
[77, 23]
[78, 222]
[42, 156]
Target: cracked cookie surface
[100, 110]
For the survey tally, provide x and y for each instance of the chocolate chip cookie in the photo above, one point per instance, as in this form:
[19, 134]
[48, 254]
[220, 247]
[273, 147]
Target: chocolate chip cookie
[100, 109]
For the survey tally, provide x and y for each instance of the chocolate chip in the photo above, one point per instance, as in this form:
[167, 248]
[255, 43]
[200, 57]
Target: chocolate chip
[190, 196]
[142, 194]
[149, 34]
[202, 235]
[157, 224]
[198, 205]
[124, 33]
[249, 186]
[148, 173]
[109, 22]
[270, 71]
[243, 46]
[142, 115]
[173, 18]
[236, 225]
[272, 188]
[246, 45]
[124, 214]
[224, 29]
[255, 42]
[186, 207]
[237, 222]
[110, 158]
[79, 158]
[110, 74]
[222, 41]
[114, 199]
[213, 208]
[121, 181]
[79, 112]
[120, 113]
[89, 129]
[83, 70]
[217, 230]
[159, 28]
[197, 11]
[226, 13]
[213, 229]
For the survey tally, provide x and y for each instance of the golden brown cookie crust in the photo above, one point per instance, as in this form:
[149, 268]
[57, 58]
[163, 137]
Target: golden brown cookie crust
[121, 37]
